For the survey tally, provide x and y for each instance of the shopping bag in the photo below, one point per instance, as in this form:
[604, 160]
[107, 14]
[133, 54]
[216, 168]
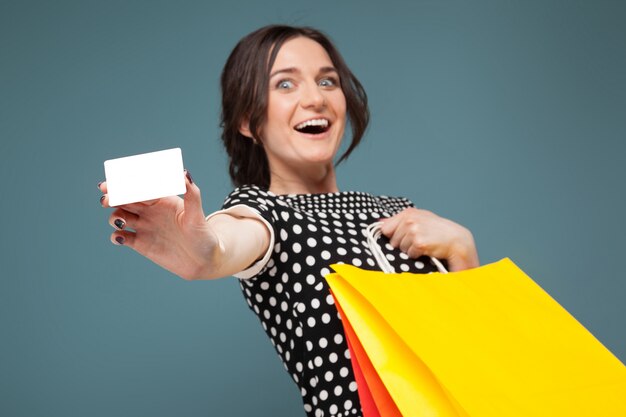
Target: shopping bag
[482, 342]
[375, 399]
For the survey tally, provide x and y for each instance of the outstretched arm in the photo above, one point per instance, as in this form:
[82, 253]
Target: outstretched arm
[174, 233]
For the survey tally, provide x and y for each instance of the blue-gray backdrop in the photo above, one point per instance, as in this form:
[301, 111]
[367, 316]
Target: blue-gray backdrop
[507, 116]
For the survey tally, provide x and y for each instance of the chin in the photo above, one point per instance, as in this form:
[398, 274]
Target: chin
[322, 157]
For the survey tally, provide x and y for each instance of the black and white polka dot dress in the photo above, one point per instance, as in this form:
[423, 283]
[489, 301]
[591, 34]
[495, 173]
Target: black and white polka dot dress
[288, 292]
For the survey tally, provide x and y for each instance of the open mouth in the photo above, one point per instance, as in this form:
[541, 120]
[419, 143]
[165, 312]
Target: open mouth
[313, 126]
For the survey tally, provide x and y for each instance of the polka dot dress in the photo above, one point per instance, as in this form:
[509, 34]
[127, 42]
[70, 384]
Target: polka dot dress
[290, 296]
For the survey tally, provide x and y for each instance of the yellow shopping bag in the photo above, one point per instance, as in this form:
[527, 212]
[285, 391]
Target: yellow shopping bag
[483, 342]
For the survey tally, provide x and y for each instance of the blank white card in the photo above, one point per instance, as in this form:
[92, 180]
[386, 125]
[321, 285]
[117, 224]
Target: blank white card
[145, 177]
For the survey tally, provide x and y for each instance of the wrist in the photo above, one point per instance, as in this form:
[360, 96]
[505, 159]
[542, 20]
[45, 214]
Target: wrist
[463, 253]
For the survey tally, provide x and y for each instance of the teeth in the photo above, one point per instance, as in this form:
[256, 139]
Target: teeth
[313, 122]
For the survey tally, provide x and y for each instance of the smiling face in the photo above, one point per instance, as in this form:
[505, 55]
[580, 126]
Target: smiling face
[306, 118]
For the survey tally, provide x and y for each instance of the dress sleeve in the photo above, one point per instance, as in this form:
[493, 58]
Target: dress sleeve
[251, 202]
[395, 204]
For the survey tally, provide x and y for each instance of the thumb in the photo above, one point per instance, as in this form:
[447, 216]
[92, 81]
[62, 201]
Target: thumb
[192, 199]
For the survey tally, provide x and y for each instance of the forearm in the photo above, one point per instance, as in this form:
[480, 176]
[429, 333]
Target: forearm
[235, 244]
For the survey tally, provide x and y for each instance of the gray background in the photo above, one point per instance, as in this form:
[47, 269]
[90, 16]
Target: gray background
[507, 116]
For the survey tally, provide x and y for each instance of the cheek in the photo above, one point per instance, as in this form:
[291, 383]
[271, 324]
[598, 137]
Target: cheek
[280, 107]
[340, 105]
[341, 112]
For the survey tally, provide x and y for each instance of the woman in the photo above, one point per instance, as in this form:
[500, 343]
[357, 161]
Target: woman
[286, 98]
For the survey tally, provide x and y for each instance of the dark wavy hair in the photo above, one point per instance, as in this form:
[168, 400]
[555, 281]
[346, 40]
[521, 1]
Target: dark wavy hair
[245, 86]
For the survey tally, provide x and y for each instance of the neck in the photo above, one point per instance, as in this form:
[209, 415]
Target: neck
[305, 182]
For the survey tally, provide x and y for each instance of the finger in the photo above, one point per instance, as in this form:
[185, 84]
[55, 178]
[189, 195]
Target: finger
[134, 208]
[193, 199]
[148, 203]
[411, 247]
[398, 233]
[390, 224]
[414, 252]
[405, 244]
[123, 238]
[102, 186]
[122, 219]
[397, 237]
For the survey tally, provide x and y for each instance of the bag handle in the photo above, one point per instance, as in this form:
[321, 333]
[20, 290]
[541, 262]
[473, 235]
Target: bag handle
[372, 233]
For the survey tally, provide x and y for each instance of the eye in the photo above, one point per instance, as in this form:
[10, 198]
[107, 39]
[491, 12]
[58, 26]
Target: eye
[328, 82]
[284, 85]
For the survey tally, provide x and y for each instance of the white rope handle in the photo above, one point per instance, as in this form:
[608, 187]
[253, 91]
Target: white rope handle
[372, 233]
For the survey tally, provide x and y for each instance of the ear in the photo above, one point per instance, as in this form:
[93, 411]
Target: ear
[244, 128]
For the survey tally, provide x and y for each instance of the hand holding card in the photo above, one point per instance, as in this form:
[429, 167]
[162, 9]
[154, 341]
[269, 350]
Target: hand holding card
[170, 231]
[145, 177]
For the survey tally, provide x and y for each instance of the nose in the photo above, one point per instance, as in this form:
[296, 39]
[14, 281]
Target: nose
[312, 97]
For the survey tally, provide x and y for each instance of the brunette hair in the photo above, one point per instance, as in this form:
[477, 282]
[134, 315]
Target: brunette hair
[245, 85]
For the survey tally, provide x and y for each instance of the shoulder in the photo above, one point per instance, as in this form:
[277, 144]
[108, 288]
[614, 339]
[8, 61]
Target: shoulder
[395, 204]
[250, 195]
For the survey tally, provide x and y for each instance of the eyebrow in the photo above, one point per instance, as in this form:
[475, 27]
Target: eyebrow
[293, 70]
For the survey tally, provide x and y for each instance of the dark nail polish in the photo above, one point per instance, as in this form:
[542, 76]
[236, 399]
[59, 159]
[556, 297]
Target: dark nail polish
[188, 175]
[120, 240]
[102, 199]
[99, 184]
[119, 223]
